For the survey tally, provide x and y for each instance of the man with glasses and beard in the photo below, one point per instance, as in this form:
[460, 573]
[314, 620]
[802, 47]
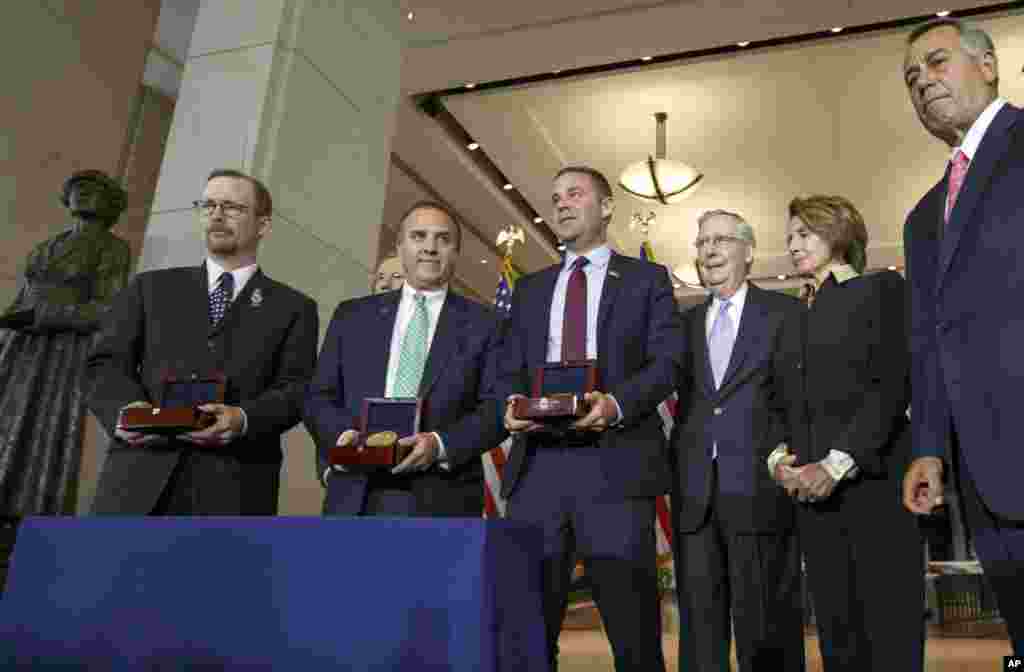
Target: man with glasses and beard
[224, 316]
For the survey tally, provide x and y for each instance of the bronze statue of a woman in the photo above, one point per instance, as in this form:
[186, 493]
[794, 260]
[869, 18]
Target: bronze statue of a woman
[45, 336]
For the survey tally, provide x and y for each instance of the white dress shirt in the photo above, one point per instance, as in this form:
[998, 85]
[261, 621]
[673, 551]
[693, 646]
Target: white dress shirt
[977, 131]
[406, 306]
[596, 271]
[736, 303]
[241, 277]
[735, 311]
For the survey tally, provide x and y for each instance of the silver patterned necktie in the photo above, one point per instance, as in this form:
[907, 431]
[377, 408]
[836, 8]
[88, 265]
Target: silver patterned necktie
[413, 357]
[720, 342]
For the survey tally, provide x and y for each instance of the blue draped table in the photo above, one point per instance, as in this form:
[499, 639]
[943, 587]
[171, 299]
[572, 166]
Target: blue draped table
[273, 593]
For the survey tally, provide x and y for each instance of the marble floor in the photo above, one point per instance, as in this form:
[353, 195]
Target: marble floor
[587, 650]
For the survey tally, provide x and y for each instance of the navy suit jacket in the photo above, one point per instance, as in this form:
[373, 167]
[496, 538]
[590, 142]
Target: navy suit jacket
[639, 353]
[456, 385]
[967, 319]
[744, 415]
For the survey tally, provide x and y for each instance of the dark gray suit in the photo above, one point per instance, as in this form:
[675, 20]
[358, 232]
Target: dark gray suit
[265, 345]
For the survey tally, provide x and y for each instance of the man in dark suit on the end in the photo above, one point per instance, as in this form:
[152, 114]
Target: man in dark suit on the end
[592, 489]
[736, 551]
[421, 340]
[965, 268]
[223, 316]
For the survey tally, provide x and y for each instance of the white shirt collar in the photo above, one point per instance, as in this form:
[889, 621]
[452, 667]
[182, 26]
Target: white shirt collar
[433, 295]
[737, 300]
[598, 257]
[977, 131]
[240, 275]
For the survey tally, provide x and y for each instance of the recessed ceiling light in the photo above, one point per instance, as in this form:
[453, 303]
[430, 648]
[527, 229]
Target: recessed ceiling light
[647, 58]
[483, 261]
[470, 85]
[837, 29]
[538, 220]
[944, 12]
[561, 247]
[892, 268]
[473, 146]
[781, 277]
[743, 44]
[555, 72]
[411, 16]
[508, 186]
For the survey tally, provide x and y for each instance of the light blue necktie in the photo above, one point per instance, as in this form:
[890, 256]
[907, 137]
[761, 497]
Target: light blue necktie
[413, 357]
[720, 342]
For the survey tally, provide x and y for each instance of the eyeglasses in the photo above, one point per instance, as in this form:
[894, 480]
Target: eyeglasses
[715, 241]
[230, 209]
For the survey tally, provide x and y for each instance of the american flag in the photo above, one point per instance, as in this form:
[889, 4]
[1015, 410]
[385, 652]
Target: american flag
[495, 459]
[667, 410]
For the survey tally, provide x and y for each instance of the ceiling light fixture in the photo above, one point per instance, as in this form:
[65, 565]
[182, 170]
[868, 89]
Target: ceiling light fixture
[657, 178]
[470, 85]
[507, 186]
[483, 261]
[411, 16]
[837, 29]
[781, 277]
[743, 44]
[473, 146]
[892, 268]
[943, 13]
[647, 58]
[538, 220]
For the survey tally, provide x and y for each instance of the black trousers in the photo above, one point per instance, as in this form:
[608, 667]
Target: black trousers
[750, 582]
[865, 569]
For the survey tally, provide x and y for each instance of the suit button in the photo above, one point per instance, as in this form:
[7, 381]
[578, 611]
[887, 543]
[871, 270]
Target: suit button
[718, 411]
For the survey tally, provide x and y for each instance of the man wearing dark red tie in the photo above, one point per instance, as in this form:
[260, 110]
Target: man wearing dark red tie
[224, 316]
[965, 268]
[592, 489]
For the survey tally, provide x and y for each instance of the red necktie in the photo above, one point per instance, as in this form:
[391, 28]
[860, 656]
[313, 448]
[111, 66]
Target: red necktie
[957, 173]
[574, 319]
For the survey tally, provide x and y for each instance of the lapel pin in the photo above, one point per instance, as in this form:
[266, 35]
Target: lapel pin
[257, 298]
[614, 274]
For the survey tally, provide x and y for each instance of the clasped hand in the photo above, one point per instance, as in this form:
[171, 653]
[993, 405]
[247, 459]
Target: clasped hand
[808, 483]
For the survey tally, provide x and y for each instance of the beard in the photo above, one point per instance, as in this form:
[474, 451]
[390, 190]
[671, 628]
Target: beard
[225, 244]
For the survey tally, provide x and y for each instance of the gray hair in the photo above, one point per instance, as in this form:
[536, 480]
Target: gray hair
[745, 230]
[974, 40]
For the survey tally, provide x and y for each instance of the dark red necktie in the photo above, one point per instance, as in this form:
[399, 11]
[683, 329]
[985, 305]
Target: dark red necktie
[574, 320]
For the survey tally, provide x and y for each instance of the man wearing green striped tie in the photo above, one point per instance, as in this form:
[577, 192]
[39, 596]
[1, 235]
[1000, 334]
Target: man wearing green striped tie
[421, 340]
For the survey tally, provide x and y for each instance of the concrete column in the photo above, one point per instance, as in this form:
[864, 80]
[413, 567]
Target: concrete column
[301, 94]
